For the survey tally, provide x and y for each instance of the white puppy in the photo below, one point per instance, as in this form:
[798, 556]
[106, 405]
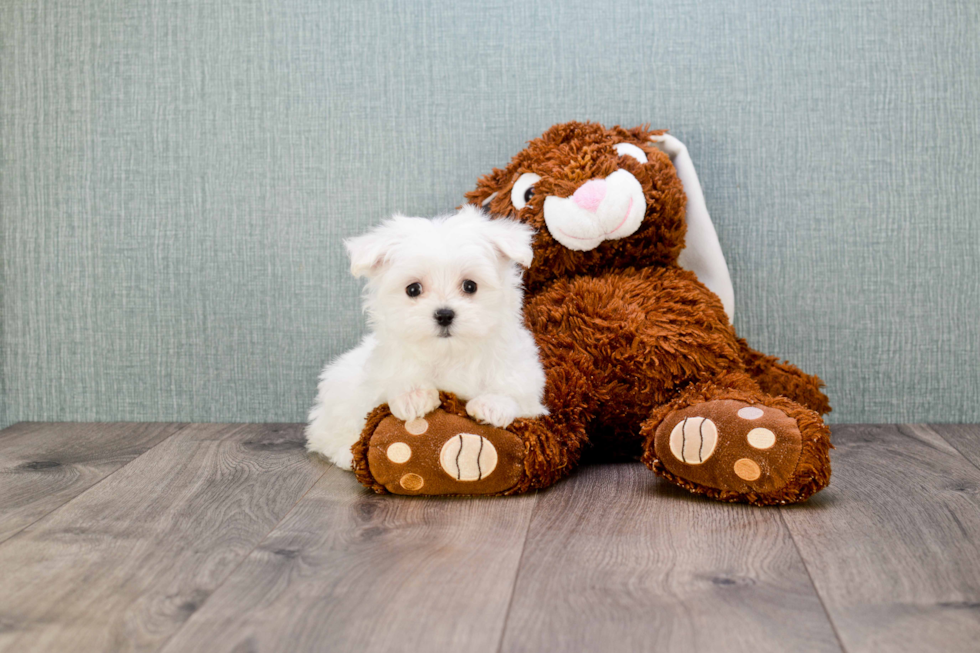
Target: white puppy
[444, 301]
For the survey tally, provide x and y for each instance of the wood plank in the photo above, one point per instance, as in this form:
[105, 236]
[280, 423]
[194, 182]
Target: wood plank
[349, 570]
[618, 560]
[892, 544]
[43, 466]
[123, 565]
[965, 438]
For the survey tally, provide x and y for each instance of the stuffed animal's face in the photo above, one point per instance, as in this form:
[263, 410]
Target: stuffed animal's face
[599, 199]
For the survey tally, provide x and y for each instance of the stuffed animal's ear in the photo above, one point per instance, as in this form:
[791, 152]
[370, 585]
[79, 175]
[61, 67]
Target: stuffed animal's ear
[369, 252]
[702, 253]
[486, 188]
[511, 239]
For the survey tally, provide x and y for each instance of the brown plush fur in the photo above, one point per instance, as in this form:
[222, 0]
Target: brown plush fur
[626, 336]
[783, 379]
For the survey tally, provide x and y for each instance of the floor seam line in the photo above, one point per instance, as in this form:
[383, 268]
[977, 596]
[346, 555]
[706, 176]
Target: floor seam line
[809, 575]
[517, 575]
[952, 444]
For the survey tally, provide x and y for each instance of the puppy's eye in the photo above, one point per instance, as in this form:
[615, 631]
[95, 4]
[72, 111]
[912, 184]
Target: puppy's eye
[523, 190]
[469, 287]
[413, 289]
[628, 149]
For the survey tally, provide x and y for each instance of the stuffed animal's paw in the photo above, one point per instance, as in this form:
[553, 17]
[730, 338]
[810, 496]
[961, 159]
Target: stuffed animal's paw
[741, 451]
[414, 404]
[443, 453]
[496, 410]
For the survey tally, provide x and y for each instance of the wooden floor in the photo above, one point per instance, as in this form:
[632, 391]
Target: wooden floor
[191, 537]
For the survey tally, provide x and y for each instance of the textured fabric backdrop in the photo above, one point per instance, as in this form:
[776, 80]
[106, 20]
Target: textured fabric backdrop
[177, 177]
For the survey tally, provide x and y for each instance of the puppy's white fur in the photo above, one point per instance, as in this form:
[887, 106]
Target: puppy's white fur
[486, 356]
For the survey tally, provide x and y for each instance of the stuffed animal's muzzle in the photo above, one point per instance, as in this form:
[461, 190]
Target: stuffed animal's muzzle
[600, 209]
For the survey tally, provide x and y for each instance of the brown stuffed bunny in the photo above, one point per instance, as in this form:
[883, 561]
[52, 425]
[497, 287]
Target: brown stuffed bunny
[640, 357]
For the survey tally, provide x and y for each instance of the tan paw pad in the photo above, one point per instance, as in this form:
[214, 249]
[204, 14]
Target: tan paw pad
[412, 482]
[750, 412]
[747, 470]
[468, 457]
[761, 438]
[693, 440]
[399, 452]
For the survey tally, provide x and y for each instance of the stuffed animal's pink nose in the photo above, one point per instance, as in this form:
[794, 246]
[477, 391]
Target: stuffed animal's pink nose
[589, 195]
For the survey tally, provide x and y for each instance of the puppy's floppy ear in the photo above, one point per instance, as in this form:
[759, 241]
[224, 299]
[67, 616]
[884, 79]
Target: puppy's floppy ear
[369, 252]
[511, 239]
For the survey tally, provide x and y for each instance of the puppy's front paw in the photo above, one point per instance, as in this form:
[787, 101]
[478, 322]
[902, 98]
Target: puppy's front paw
[497, 410]
[414, 403]
[343, 459]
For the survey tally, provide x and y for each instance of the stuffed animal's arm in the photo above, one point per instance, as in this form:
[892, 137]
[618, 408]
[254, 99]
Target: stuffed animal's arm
[702, 253]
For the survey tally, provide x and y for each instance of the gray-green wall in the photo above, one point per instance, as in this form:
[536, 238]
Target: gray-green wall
[177, 176]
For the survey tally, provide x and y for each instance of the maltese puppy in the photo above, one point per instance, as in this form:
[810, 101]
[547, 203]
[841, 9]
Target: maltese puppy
[443, 299]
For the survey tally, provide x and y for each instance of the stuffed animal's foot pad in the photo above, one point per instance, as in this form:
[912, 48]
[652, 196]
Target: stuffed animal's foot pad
[730, 445]
[443, 453]
[693, 440]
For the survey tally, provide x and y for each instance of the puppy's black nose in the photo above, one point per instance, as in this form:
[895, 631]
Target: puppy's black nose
[444, 316]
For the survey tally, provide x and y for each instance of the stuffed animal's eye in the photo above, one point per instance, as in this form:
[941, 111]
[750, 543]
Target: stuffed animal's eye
[628, 149]
[469, 287]
[413, 289]
[523, 190]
